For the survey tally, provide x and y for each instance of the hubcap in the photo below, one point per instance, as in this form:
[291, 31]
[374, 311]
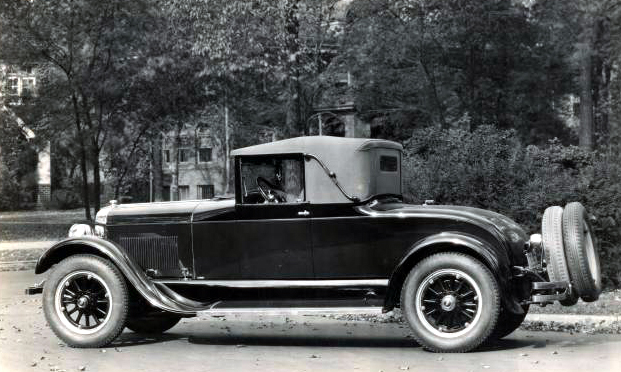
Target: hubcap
[448, 303]
[83, 302]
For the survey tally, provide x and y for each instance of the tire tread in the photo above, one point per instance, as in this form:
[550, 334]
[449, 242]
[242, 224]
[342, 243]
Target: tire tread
[496, 293]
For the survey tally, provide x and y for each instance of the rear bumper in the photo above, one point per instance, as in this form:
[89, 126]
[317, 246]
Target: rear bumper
[35, 289]
[543, 293]
[538, 291]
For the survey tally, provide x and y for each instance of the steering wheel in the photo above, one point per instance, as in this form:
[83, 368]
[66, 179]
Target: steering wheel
[269, 192]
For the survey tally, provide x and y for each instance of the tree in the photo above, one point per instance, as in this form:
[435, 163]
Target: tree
[93, 44]
[432, 62]
[589, 31]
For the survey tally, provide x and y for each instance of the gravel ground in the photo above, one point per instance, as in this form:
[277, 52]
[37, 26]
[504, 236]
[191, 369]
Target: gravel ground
[582, 326]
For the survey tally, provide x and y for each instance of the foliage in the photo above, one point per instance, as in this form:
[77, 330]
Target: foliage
[18, 163]
[491, 169]
[92, 47]
[456, 63]
[63, 199]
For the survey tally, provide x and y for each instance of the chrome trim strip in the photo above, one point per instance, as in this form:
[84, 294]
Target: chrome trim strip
[292, 311]
[280, 283]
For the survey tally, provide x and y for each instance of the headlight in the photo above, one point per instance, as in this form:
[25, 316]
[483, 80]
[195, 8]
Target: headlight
[100, 231]
[80, 229]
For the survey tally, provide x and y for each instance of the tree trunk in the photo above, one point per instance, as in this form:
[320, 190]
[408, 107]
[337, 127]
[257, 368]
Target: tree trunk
[585, 136]
[601, 87]
[227, 160]
[174, 185]
[292, 30]
[158, 184]
[96, 177]
[83, 168]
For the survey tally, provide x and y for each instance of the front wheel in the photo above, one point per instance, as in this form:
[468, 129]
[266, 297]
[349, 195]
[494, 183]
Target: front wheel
[85, 301]
[451, 301]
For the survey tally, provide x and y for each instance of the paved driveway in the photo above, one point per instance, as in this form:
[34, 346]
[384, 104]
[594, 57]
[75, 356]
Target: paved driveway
[280, 344]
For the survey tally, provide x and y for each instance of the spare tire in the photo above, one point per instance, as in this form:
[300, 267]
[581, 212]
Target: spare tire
[581, 252]
[552, 234]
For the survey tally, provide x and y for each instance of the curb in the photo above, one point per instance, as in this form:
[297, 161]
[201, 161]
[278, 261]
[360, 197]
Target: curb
[572, 318]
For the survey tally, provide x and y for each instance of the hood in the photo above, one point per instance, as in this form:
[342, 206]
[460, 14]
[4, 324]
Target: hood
[160, 212]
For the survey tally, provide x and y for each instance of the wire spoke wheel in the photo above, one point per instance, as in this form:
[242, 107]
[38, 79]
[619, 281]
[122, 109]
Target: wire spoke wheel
[83, 302]
[448, 302]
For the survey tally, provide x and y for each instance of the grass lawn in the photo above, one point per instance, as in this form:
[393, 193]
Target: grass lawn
[37, 225]
[609, 303]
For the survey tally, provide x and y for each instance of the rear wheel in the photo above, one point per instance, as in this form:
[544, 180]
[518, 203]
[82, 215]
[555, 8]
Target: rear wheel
[507, 323]
[556, 264]
[451, 301]
[580, 248]
[85, 301]
[152, 324]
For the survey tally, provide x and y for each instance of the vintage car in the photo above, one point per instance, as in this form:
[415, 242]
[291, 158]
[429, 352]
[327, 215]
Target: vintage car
[317, 225]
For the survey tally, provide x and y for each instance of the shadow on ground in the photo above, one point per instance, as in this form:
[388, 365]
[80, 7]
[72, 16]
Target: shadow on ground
[128, 339]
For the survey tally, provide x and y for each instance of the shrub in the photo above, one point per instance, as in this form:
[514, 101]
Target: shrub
[490, 168]
[63, 199]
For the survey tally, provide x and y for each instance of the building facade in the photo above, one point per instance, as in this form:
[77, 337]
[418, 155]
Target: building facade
[193, 164]
[17, 84]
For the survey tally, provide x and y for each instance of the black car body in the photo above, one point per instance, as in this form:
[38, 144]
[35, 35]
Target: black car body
[317, 224]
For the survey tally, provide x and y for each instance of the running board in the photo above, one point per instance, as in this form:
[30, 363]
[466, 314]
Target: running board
[291, 311]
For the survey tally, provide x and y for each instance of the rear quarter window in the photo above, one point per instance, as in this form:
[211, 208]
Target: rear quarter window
[389, 163]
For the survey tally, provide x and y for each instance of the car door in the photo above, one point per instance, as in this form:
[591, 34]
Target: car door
[344, 243]
[272, 238]
[274, 241]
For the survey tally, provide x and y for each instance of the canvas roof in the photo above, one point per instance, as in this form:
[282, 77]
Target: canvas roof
[316, 145]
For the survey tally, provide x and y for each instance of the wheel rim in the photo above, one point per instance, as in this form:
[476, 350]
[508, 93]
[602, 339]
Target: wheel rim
[83, 302]
[448, 303]
[592, 257]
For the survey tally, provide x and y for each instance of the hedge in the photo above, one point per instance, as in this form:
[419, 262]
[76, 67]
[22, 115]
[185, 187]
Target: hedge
[491, 169]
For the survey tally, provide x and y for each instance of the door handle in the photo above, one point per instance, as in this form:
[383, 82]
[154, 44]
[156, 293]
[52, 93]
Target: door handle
[303, 213]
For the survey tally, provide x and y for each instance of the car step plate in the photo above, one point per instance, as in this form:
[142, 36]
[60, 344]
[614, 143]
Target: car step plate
[291, 311]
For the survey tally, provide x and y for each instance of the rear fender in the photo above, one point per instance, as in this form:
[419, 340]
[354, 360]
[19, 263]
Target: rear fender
[132, 272]
[497, 260]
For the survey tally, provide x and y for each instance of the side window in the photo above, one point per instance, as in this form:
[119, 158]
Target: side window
[389, 163]
[272, 180]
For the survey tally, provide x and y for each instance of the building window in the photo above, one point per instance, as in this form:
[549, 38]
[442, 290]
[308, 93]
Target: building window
[28, 86]
[205, 192]
[167, 156]
[204, 154]
[13, 86]
[184, 192]
[184, 155]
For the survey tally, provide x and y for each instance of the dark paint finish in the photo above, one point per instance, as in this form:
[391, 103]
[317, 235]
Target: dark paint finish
[167, 212]
[340, 241]
[275, 243]
[150, 234]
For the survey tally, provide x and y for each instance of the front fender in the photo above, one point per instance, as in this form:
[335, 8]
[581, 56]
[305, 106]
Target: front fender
[155, 295]
[496, 259]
